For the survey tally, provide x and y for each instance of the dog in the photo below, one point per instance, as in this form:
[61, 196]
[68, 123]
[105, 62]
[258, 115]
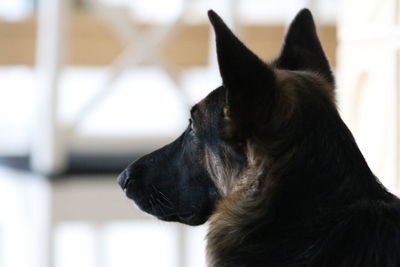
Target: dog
[268, 161]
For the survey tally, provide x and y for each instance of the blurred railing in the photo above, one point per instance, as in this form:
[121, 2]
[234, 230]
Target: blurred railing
[93, 42]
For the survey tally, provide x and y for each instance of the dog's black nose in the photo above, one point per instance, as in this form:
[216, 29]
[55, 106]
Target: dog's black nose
[123, 179]
[130, 174]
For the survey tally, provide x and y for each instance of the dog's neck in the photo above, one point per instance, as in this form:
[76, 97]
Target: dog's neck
[244, 214]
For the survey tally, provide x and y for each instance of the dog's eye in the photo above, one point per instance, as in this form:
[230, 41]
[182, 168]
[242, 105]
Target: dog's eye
[191, 127]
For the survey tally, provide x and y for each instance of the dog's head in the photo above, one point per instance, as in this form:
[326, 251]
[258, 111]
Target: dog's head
[240, 129]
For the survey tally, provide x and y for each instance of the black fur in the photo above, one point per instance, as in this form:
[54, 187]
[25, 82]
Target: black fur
[302, 49]
[316, 203]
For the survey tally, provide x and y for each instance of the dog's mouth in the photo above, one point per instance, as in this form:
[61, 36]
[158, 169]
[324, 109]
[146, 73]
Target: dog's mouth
[162, 211]
[189, 218]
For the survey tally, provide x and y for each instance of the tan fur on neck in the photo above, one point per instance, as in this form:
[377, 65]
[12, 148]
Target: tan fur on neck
[236, 209]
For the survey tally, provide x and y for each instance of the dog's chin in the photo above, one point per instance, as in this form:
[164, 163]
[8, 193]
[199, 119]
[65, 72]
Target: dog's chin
[189, 218]
[192, 219]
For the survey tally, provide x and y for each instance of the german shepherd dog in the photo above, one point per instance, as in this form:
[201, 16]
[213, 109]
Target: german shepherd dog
[268, 161]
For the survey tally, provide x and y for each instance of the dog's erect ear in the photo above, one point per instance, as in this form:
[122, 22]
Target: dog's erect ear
[248, 80]
[302, 49]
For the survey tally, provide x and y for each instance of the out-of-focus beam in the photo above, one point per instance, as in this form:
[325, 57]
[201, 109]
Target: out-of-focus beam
[93, 43]
[47, 144]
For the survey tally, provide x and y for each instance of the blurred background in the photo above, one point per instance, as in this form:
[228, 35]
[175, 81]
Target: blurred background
[87, 86]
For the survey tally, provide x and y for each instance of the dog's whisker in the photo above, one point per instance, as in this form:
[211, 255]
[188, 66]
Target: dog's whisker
[151, 205]
[159, 201]
[158, 207]
[166, 199]
[162, 194]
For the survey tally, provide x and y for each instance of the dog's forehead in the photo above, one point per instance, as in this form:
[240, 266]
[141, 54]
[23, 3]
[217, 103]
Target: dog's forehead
[303, 81]
[212, 103]
[295, 76]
